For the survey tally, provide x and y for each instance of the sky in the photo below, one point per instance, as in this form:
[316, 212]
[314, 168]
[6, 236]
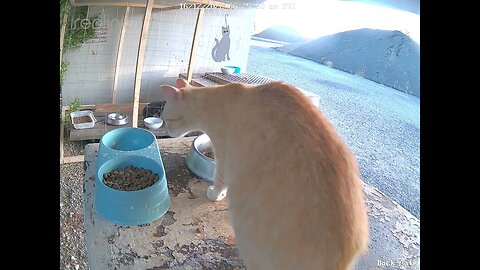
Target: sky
[325, 17]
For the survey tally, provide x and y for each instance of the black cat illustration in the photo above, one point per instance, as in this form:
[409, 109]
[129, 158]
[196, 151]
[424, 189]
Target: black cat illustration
[221, 50]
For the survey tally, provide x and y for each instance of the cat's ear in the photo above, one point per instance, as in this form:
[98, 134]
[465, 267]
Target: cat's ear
[171, 93]
[181, 83]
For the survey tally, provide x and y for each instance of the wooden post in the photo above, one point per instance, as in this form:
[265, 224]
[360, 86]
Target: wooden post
[62, 35]
[140, 59]
[119, 56]
[209, 3]
[196, 34]
[62, 128]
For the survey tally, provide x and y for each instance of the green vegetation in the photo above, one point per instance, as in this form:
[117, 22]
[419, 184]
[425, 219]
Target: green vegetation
[74, 106]
[63, 69]
[79, 28]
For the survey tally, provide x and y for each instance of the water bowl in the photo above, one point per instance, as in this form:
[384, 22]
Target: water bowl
[128, 141]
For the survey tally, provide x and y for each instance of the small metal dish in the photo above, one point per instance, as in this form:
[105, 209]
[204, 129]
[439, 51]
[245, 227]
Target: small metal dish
[117, 119]
[197, 162]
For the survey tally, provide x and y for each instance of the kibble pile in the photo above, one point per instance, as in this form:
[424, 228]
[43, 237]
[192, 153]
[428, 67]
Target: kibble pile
[130, 178]
[82, 119]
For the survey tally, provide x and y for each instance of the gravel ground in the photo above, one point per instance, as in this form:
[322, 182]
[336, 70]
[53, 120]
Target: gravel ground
[381, 125]
[72, 244]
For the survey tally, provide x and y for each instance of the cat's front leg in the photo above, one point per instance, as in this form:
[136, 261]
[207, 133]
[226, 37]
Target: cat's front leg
[219, 190]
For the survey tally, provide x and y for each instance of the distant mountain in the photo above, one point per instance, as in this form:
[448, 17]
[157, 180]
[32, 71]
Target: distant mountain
[281, 33]
[387, 57]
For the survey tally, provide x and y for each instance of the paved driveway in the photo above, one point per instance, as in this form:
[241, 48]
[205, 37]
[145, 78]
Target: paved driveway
[381, 125]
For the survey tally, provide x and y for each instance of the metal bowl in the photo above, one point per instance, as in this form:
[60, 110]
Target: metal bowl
[117, 119]
[197, 162]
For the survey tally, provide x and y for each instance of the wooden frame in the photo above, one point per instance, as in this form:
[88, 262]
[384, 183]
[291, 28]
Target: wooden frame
[101, 107]
[149, 6]
[198, 3]
[140, 59]
[62, 132]
[62, 35]
[63, 159]
[196, 34]
[113, 4]
[119, 56]
[201, 3]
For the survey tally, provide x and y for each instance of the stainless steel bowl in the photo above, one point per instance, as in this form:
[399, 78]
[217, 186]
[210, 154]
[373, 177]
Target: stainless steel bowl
[197, 162]
[117, 119]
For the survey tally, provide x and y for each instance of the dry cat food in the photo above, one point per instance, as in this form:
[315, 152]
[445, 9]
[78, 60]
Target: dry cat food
[130, 178]
[82, 119]
[209, 153]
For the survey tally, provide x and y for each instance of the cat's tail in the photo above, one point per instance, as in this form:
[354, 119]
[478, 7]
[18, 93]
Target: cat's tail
[214, 51]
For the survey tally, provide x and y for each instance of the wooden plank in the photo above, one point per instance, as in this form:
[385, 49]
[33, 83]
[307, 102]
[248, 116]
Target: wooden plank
[62, 36]
[62, 134]
[101, 127]
[121, 107]
[115, 4]
[210, 4]
[140, 59]
[203, 3]
[198, 81]
[82, 107]
[196, 34]
[73, 159]
[119, 56]
[105, 107]
[97, 132]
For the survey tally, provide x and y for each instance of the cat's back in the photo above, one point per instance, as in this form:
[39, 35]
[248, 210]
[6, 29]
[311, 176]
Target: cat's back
[281, 100]
[288, 110]
[304, 178]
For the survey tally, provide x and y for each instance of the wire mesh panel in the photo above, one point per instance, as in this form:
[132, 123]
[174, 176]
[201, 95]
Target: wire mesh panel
[240, 78]
[102, 46]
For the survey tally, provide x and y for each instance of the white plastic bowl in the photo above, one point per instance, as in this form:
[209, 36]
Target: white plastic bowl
[153, 123]
[80, 114]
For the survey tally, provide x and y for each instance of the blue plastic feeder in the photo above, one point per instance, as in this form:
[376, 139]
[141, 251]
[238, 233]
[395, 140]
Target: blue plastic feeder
[237, 69]
[137, 147]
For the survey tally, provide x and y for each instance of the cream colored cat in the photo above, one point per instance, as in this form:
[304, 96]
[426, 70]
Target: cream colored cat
[295, 196]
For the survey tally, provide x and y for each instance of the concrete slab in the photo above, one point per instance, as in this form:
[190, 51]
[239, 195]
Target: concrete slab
[196, 233]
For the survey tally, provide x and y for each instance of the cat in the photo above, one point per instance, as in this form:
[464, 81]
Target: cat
[294, 190]
[153, 109]
[221, 50]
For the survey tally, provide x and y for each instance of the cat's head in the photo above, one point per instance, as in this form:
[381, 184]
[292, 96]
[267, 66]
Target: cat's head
[225, 30]
[176, 113]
